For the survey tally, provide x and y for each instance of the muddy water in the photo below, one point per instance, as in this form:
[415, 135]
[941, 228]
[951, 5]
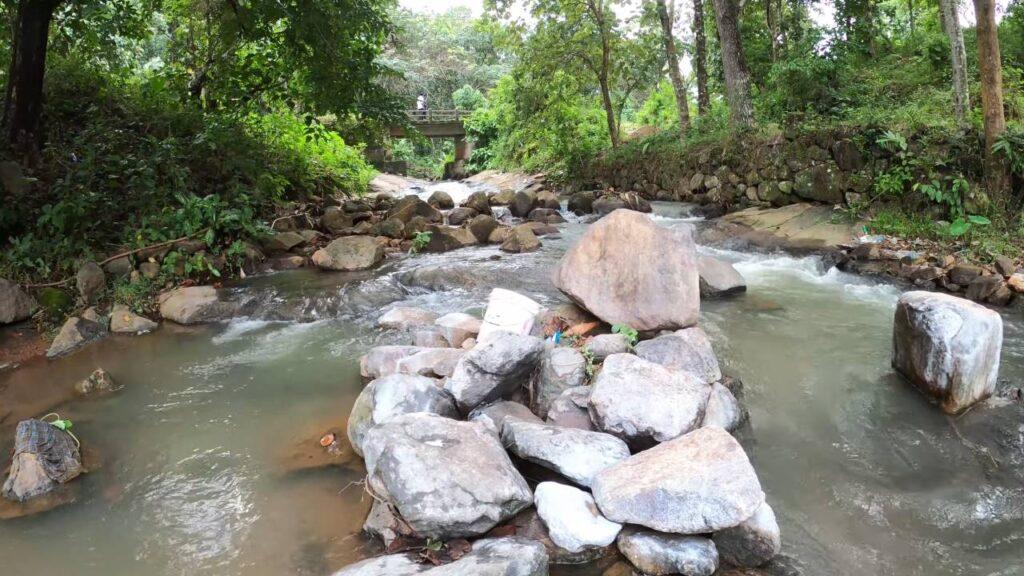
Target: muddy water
[196, 478]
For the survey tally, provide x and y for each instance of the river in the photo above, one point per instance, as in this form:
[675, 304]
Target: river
[864, 475]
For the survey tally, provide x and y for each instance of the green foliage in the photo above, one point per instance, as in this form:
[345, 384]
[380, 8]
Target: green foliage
[420, 241]
[660, 107]
[135, 294]
[468, 98]
[1010, 146]
[631, 335]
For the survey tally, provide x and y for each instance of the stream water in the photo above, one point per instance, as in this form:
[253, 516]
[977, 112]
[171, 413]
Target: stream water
[864, 475]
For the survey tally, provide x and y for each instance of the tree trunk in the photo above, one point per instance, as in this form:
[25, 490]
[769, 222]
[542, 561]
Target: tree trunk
[609, 111]
[958, 57]
[700, 55]
[737, 79]
[990, 66]
[672, 59]
[771, 24]
[23, 107]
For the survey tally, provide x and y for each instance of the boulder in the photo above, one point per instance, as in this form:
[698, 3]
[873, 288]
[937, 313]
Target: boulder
[509, 556]
[657, 554]
[461, 215]
[15, 304]
[99, 382]
[283, 241]
[603, 273]
[546, 215]
[44, 456]
[718, 278]
[572, 518]
[561, 368]
[392, 228]
[404, 318]
[644, 403]
[383, 360]
[493, 416]
[456, 327]
[447, 479]
[502, 198]
[521, 239]
[195, 305]
[822, 182]
[508, 311]
[124, 321]
[607, 204]
[444, 239]
[441, 200]
[349, 253]
[384, 399]
[699, 483]
[576, 454]
[494, 369]
[409, 207]
[581, 203]
[335, 220]
[433, 362]
[481, 226]
[90, 281]
[499, 235]
[383, 523]
[548, 199]
[688, 350]
[430, 337]
[634, 201]
[74, 333]
[569, 410]
[479, 202]
[604, 345]
[753, 542]
[724, 410]
[948, 347]
[522, 203]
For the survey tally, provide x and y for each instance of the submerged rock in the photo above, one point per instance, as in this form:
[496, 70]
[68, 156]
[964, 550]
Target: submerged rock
[349, 253]
[696, 484]
[659, 554]
[124, 321]
[44, 456]
[753, 542]
[74, 333]
[99, 382]
[447, 479]
[688, 350]
[947, 347]
[576, 454]
[385, 398]
[572, 518]
[509, 556]
[494, 369]
[604, 274]
[15, 304]
[718, 278]
[644, 403]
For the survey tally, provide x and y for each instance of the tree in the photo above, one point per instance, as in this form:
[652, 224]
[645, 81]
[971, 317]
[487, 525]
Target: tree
[700, 57]
[734, 64]
[958, 57]
[991, 69]
[24, 100]
[665, 16]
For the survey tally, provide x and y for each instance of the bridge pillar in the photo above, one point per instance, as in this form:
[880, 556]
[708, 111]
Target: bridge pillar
[463, 148]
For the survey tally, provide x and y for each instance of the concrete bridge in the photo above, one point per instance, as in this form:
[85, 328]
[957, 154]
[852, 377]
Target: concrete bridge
[441, 124]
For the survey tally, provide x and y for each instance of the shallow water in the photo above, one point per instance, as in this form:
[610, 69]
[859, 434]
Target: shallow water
[864, 475]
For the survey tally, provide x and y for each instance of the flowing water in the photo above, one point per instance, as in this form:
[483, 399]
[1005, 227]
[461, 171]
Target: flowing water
[864, 475]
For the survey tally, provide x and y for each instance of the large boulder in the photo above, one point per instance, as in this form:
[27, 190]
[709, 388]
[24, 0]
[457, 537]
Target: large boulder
[508, 311]
[572, 518]
[405, 317]
[124, 321]
[44, 456]
[479, 202]
[195, 305]
[522, 203]
[657, 554]
[409, 207]
[521, 239]
[753, 542]
[688, 350]
[561, 368]
[696, 484]
[569, 410]
[644, 403]
[15, 304]
[509, 556]
[822, 182]
[447, 479]
[441, 200]
[335, 220]
[73, 333]
[581, 203]
[494, 369]
[349, 253]
[718, 278]
[947, 347]
[628, 270]
[576, 454]
[461, 215]
[386, 398]
[481, 226]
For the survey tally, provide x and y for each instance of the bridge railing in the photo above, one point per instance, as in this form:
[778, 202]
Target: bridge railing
[435, 116]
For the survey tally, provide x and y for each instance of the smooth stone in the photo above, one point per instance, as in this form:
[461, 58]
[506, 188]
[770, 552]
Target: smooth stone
[604, 345]
[403, 318]
[386, 398]
[494, 369]
[195, 305]
[724, 410]
[753, 542]
[579, 455]
[688, 350]
[429, 338]
[433, 362]
[124, 321]
[718, 278]
[383, 360]
[657, 554]
[572, 518]
[15, 304]
[508, 311]
[349, 253]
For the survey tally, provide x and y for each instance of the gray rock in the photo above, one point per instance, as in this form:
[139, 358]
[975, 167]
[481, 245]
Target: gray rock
[409, 207]
[349, 253]
[604, 345]
[44, 456]
[447, 479]
[753, 542]
[699, 483]
[521, 239]
[718, 278]
[494, 415]
[335, 220]
[644, 403]
[124, 321]
[572, 518]
[119, 267]
[659, 554]
[457, 327]
[603, 274]
[508, 311]
[576, 454]
[461, 215]
[724, 410]
[509, 556]
[947, 347]
[283, 241]
[74, 333]
[403, 318]
[15, 304]
[561, 368]
[383, 523]
[99, 382]
[569, 410]
[90, 281]
[386, 398]
[608, 203]
[195, 305]
[479, 202]
[482, 226]
[441, 200]
[546, 215]
[822, 182]
[429, 338]
[494, 369]
[434, 362]
[581, 203]
[383, 360]
[522, 203]
[688, 350]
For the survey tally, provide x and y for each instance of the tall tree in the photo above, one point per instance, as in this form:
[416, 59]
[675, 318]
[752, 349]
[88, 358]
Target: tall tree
[991, 68]
[665, 16]
[700, 56]
[734, 64]
[23, 104]
[958, 57]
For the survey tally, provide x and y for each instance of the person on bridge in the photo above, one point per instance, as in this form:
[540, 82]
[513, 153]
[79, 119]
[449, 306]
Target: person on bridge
[421, 105]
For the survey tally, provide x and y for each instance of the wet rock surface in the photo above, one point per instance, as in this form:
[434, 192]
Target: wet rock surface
[44, 456]
[688, 350]
[753, 542]
[660, 554]
[579, 455]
